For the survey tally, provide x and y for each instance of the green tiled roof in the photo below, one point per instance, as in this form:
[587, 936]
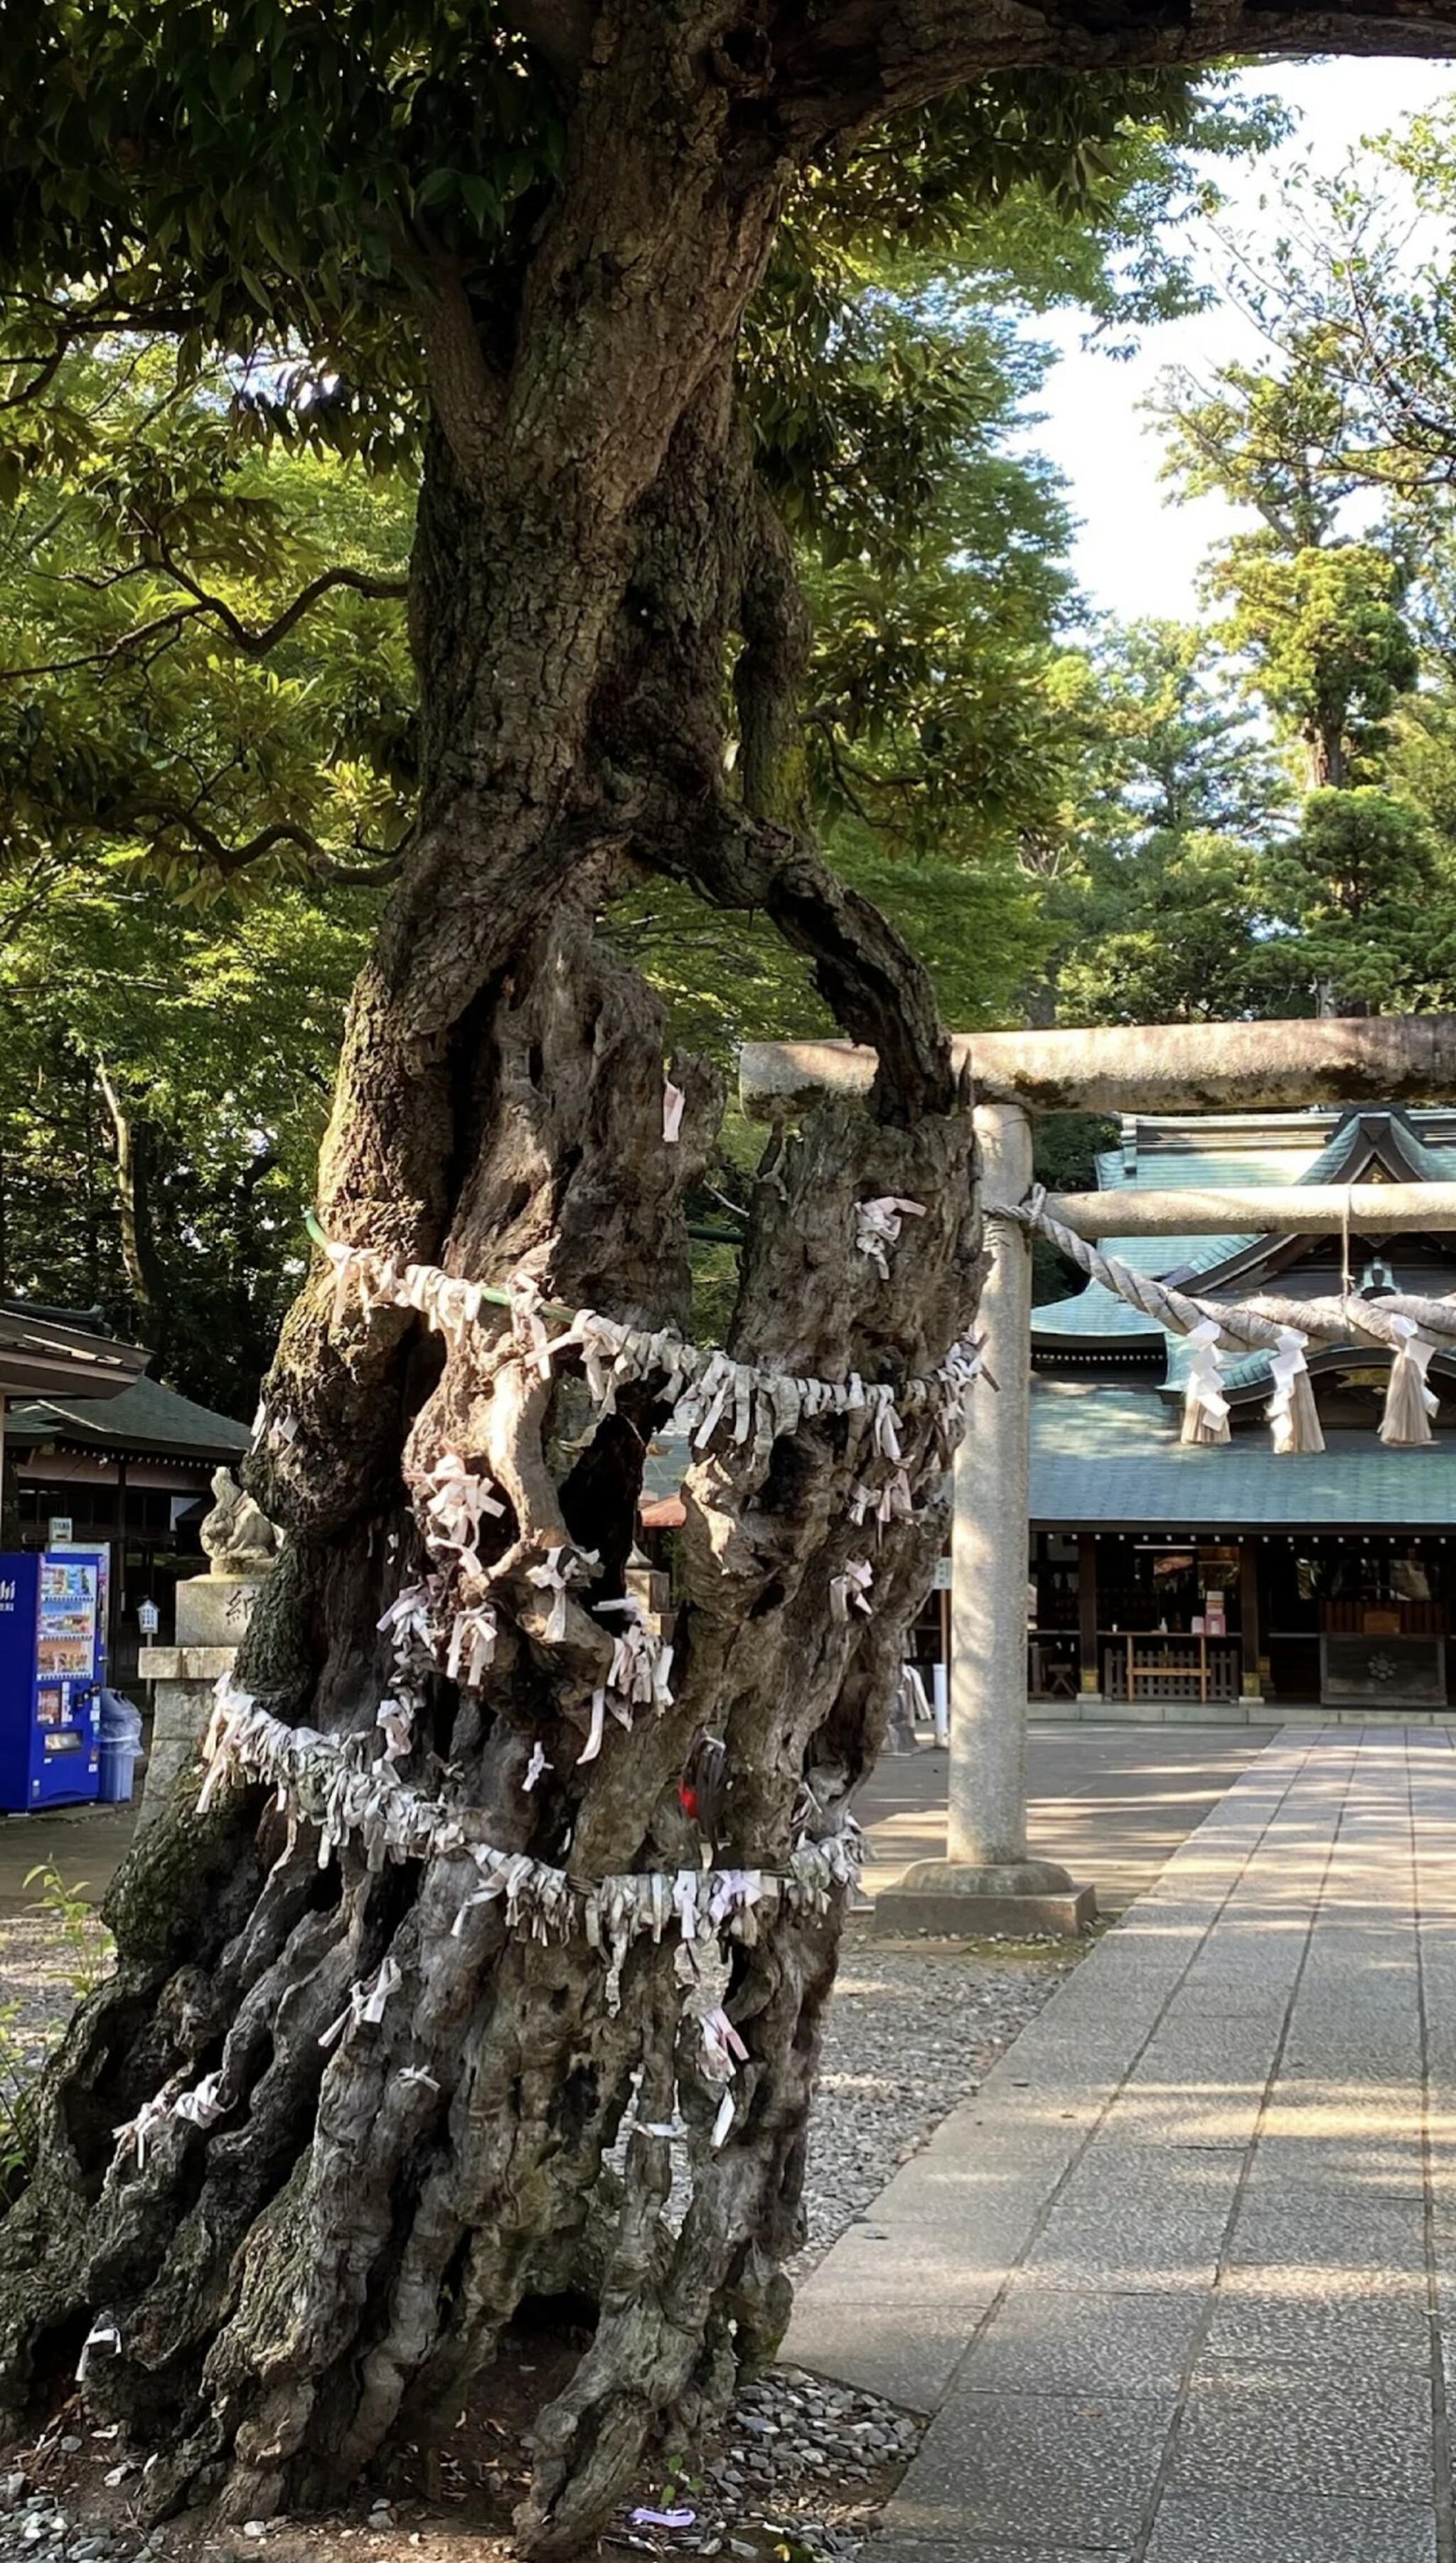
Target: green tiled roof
[145, 1416]
[1108, 1457]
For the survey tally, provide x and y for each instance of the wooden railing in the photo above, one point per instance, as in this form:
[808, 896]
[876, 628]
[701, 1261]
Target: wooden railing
[1145, 1665]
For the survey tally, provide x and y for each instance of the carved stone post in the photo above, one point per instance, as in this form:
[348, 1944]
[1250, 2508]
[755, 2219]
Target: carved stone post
[986, 1883]
[213, 1611]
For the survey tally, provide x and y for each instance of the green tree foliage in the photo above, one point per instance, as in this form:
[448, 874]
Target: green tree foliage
[1360, 903]
[162, 695]
[173, 796]
[1330, 650]
[1160, 911]
[1317, 617]
[167, 1083]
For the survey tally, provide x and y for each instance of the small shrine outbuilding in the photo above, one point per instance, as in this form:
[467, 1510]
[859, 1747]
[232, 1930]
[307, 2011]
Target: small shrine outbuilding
[1174, 1581]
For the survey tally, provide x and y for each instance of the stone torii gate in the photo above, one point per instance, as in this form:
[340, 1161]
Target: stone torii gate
[987, 1883]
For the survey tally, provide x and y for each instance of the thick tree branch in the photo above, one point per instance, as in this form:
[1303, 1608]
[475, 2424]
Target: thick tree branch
[252, 644]
[465, 394]
[874, 984]
[851, 65]
[231, 860]
[771, 669]
[257, 643]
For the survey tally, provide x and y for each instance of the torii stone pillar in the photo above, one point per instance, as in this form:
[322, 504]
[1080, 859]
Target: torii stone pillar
[986, 1883]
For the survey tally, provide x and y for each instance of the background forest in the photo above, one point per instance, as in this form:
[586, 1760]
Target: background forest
[206, 719]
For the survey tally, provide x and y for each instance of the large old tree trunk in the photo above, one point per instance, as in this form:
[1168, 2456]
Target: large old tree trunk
[371, 2105]
[287, 2278]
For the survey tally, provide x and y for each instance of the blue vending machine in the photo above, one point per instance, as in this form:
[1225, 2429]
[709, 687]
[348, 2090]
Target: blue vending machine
[51, 1640]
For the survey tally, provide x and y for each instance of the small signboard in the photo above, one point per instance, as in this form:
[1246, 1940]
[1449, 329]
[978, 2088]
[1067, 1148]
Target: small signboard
[149, 1619]
[942, 1583]
[59, 1529]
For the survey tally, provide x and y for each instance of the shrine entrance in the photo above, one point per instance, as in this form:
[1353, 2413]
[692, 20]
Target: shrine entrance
[986, 1882]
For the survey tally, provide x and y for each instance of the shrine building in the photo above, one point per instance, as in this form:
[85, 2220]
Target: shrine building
[1172, 1581]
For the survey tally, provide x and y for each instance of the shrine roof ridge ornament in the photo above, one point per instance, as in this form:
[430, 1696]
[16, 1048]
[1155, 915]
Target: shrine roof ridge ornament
[1146, 1067]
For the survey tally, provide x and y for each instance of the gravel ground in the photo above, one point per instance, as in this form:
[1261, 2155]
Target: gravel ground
[800, 2468]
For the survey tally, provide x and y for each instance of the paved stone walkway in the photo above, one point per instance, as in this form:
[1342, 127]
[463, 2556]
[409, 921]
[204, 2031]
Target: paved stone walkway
[1177, 2285]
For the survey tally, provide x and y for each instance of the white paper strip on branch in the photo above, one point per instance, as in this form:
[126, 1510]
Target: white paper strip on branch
[455, 1503]
[1410, 1401]
[1205, 1407]
[204, 2105]
[672, 1101]
[471, 1647]
[593, 1745]
[878, 1225]
[641, 1662]
[851, 1591]
[136, 2134]
[1292, 1410]
[558, 1571]
[698, 1382]
[366, 2005]
[370, 1806]
[103, 2334]
[395, 1719]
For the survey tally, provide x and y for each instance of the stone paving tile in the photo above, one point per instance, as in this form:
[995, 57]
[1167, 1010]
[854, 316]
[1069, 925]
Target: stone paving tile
[924, 2549]
[1387, 2164]
[906, 2351]
[1374, 2237]
[888, 2266]
[1214, 2113]
[1295, 2429]
[1062, 2340]
[1010, 2466]
[1330, 2331]
[1154, 2248]
[1234, 2527]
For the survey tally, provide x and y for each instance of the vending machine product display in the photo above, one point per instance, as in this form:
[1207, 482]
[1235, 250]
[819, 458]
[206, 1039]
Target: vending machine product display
[52, 1663]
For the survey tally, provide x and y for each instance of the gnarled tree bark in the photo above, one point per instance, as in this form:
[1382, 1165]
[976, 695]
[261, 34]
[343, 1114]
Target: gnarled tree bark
[282, 2286]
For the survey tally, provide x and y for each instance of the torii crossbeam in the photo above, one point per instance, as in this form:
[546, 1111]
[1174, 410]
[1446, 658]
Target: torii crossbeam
[987, 1883]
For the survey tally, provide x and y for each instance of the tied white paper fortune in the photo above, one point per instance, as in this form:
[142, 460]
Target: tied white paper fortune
[562, 1568]
[455, 1503]
[893, 1502]
[473, 1634]
[103, 2334]
[203, 2106]
[723, 2053]
[366, 2005]
[641, 1662]
[672, 1101]
[395, 1719]
[1205, 1407]
[851, 1591]
[1292, 1413]
[878, 1225]
[1410, 1401]
[536, 1767]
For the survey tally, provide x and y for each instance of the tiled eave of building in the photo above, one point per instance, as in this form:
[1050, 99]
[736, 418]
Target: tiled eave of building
[1106, 1458]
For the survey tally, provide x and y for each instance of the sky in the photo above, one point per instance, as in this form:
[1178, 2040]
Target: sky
[1138, 554]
